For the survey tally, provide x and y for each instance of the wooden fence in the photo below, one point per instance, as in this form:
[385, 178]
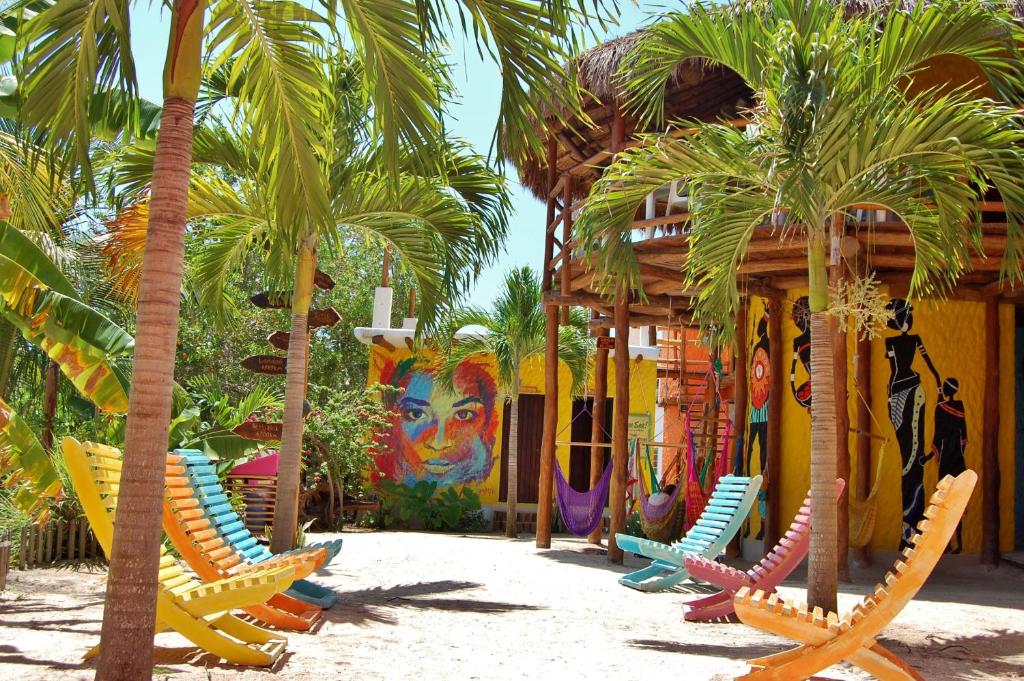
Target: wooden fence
[258, 493]
[57, 541]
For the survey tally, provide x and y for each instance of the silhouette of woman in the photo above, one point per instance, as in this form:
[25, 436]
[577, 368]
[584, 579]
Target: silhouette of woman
[906, 409]
[801, 351]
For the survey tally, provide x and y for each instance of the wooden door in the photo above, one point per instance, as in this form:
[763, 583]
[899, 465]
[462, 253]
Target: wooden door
[531, 430]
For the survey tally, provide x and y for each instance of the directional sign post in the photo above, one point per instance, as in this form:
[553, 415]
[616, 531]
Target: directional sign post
[266, 364]
[272, 300]
[279, 340]
[325, 317]
[258, 430]
[323, 281]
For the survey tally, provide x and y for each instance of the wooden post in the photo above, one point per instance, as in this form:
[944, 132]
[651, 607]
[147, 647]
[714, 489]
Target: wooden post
[385, 270]
[990, 439]
[82, 529]
[547, 447]
[620, 426]
[568, 187]
[58, 551]
[23, 548]
[773, 462]
[597, 426]
[412, 302]
[741, 400]
[837, 273]
[864, 425]
[5, 559]
[48, 556]
[72, 533]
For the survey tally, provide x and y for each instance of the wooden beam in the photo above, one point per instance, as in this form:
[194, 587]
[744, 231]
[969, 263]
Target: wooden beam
[664, 273]
[990, 440]
[570, 185]
[862, 366]
[638, 320]
[573, 148]
[549, 244]
[597, 433]
[620, 426]
[547, 447]
[773, 462]
[740, 393]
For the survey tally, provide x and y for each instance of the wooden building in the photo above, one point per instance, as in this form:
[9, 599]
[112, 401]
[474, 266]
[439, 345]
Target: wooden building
[973, 336]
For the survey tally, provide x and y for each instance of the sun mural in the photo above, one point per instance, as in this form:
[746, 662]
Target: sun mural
[437, 435]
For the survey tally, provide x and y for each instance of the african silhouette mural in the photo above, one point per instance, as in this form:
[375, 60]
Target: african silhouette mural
[760, 393]
[906, 409]
[950, 441]
[801, 352]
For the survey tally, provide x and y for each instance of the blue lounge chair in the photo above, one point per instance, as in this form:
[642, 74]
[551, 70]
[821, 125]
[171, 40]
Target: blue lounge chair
[215, 502]
[718, 523]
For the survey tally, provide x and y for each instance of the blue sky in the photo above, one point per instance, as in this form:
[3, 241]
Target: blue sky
[472, 118]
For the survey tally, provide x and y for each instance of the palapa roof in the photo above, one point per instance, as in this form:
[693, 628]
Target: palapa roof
[696, 91]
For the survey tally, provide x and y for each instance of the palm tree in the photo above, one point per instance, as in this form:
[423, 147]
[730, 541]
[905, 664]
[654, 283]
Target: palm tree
[77, 46]
[835, 123]
[513, 333]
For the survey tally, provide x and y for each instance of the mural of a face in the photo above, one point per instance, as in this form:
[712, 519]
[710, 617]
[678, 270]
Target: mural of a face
[436, 435]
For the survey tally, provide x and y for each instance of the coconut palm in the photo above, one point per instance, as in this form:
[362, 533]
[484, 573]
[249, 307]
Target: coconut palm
[836, 121]
[513, 332]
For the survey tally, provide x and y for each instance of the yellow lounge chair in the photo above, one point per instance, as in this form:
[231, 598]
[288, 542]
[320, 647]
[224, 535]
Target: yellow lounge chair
[196, 611]
[828, 638]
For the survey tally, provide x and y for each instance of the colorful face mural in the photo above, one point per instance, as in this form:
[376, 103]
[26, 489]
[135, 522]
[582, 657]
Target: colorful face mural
[436, 435]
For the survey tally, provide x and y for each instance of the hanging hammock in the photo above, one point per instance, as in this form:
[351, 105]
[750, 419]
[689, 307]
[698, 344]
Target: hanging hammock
[696, 484]
[582, 511]
[864, 513]
[662, 520]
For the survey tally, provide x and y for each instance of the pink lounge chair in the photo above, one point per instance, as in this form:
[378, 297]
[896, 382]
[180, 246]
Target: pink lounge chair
[765, 575]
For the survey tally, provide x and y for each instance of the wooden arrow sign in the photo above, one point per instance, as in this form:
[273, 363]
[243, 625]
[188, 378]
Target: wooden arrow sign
[326, 317]
[323, 280]
[258, 430]
[266, 364]
[272, 299]
[605, 343]
[279, 340]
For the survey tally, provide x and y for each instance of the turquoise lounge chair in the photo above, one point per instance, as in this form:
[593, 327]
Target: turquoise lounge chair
[718, 523]
[208, 489]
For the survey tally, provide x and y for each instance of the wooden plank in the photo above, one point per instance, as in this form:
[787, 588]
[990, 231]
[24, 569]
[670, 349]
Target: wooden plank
[773, 462]
[58, 553]
[990, 440]
[48, 555]
[259, 430]
[272, 300]
[320, 318]
[279, 340]
[620, 427]
[862, 364]
[549, 244]
[72, 533]
[23, 548]
[82, 530]
[566, 253]
[94, 551]
[547, 453]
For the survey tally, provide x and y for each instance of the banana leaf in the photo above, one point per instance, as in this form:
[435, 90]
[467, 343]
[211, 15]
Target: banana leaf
[39, 301]
[25, 464]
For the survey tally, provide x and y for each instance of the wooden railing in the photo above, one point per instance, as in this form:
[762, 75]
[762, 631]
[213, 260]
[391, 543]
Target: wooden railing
[258, 497]
[54, 542]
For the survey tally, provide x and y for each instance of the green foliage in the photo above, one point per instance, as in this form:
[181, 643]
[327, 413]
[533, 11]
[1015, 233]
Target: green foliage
[340, 435]
[634, 525]
[404, 504]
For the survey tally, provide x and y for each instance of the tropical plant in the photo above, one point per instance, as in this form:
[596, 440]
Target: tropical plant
[513, 332]
[836, 122]
[444, 510]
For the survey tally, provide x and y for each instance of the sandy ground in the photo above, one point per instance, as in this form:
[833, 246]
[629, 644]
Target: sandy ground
[430, 606]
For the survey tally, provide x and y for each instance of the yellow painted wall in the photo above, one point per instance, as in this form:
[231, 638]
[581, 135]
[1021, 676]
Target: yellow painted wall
[953, 333]
[643, 400]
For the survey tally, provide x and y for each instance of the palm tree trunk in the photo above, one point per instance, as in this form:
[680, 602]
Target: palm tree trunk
[511, 530]
[286, 511]
[129, 612]
[822, 574]
[8, 334]
[50, 404]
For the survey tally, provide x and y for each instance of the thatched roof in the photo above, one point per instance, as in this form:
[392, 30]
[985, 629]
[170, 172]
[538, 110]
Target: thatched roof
[695, 92]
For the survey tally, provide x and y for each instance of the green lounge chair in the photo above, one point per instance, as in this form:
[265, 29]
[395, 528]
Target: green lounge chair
[718, 523]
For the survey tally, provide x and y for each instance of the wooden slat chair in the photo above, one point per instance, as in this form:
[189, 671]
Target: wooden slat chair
[765, 575]
[214, 499]
[721, 519]
[828, 638]
[205, 550]
[199, 612]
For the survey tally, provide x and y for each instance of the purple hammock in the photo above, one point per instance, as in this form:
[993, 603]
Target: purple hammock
[582, 511]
